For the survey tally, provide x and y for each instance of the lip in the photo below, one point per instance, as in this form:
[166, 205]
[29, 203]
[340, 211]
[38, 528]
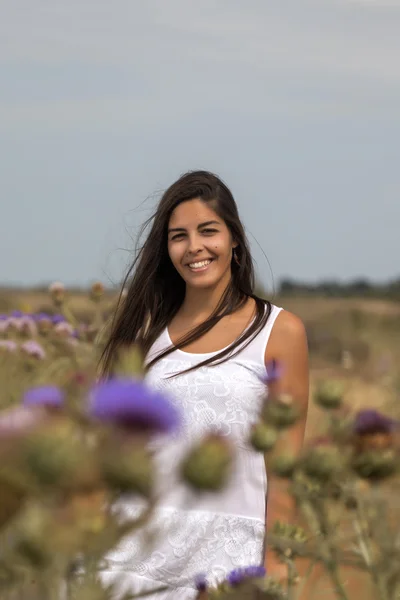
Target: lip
[200, 269]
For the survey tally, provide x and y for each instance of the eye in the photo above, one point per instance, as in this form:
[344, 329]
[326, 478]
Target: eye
[177, 236]
[209, 231]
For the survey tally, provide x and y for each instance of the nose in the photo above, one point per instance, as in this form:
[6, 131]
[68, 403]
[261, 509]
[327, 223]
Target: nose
[194, 244]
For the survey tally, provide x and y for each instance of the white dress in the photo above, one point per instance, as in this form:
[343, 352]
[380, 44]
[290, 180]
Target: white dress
[210, 533]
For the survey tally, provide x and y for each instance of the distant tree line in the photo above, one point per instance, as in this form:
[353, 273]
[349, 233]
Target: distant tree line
[333, 288]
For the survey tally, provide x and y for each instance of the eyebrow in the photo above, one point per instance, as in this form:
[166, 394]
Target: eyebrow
[205, 224]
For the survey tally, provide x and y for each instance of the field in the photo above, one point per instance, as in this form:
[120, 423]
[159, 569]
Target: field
[352, 340]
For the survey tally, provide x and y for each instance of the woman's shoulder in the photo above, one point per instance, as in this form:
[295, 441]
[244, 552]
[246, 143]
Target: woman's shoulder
[288, 334]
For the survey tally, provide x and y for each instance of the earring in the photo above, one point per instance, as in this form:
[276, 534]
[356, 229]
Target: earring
[235, 257]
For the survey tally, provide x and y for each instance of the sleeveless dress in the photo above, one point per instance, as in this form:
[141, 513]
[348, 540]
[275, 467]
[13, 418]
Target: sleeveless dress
[208, 533]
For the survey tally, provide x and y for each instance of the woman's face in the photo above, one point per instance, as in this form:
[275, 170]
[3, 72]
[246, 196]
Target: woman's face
[199, 244]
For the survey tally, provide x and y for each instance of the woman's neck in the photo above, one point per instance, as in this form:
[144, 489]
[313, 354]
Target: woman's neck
[199, 304]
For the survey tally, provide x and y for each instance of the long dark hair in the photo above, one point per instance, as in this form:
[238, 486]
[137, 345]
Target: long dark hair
[155, 290]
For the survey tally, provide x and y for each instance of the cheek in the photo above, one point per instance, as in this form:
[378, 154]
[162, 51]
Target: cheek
[174, 254]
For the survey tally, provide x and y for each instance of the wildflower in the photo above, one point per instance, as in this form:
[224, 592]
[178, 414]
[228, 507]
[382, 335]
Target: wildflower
[263, 437]
[14, 323]
[33, 349]
[97, 291]
[329, 394]
[17, 314]
[371, 421]
[274, 371]
[44, 322]
[208, 464]
[373, 431]
[8, 345]
[49, 395]
[201, 582]
[27, 326]
[375, 464]
[132, 405]
[4, 325]
[280, 412]
[237, 576]
[18, 420]
[55, 319]
[57, 292]
[64, 329]
[127, 466]
[57, 456]
[40, 316]
[322, 461]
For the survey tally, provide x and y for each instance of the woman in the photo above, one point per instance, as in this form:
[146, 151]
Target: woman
[207, 339]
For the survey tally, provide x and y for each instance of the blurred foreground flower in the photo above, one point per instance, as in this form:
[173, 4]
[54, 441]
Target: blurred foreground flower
[64, 329]
[49, 395]
[329, 394]
[237, 576]
[8, 345]
[280, 411]
[371, 421]
[34, 349]
[274, 371]
[208, 464]
[374, 430]
[132, 405]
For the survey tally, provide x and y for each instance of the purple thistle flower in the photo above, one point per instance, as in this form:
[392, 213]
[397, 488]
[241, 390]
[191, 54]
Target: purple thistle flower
[28, 325]
[58, 319]
[33, 349]
[18, 420]
[3, 317]
[17, 314]
[47, 395]
[371, 421]
[201, 582]
[274, 371]
[4, 325]
[131, 404]
[255, 571]
[40, 316]
[237, 576]
[8, 345]
[64, 328]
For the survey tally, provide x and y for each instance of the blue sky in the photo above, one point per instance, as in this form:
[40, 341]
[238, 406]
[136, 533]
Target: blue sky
[294, 103]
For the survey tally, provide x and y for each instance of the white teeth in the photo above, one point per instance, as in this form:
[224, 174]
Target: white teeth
[198, 265]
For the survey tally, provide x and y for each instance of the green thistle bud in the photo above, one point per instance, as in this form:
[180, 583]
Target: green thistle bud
[322, 463]
[374, 464]
[53, 454]
[283, 465]
[329, 394]
[129, 468]
[280, 412]
[208, 465]
[263, 438]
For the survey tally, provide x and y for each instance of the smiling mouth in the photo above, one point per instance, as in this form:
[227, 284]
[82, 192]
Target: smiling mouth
[200, 265]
